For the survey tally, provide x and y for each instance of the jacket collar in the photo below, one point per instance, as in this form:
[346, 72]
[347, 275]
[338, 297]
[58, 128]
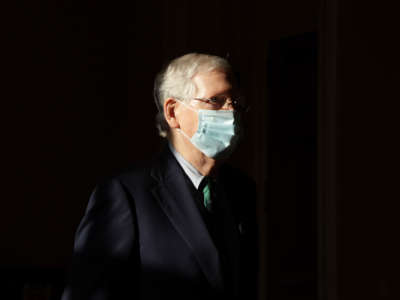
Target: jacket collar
[176, 200]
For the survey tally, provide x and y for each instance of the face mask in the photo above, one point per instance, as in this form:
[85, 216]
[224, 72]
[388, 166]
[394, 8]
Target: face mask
[217, 132]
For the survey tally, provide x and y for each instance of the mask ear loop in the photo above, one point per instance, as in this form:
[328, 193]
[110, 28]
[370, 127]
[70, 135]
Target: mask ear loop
[184, 134]
[180, 130]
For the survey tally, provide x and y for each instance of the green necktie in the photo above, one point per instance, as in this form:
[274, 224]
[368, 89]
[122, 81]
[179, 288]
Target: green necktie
[207, 194]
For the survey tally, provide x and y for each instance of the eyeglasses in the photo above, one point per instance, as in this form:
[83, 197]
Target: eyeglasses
[219, 102]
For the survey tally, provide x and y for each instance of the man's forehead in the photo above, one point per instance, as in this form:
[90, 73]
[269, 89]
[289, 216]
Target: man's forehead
[215, 82]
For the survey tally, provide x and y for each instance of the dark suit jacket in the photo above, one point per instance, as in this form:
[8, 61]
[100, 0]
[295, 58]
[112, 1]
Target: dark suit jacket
[143, 237]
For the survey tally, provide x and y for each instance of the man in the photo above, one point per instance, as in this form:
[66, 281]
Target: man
[183, 226]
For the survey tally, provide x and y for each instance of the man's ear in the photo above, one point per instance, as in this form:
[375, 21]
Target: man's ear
[169, 112]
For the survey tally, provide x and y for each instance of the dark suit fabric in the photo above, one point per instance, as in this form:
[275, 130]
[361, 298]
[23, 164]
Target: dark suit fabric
[143, 236]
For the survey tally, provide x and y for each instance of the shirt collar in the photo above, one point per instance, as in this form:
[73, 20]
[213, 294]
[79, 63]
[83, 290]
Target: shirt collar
[194, 175]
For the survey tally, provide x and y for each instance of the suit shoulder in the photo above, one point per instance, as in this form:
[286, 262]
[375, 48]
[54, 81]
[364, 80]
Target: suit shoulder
[112, 189]
[135, 172]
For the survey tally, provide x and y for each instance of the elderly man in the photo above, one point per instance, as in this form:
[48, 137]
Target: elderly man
[182, 226]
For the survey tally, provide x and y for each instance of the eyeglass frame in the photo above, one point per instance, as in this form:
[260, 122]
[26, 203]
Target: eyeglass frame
[233, 103]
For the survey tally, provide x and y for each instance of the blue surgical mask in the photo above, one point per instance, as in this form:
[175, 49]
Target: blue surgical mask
[217, 132]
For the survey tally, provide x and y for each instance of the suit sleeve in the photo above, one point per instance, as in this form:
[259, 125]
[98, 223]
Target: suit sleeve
[105, 264]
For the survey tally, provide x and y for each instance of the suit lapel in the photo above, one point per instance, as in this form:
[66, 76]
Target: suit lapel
[177, 202]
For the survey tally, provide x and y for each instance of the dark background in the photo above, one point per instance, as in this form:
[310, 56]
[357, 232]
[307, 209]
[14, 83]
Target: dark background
[77, 106]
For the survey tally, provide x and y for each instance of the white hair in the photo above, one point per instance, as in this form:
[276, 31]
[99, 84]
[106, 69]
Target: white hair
[175, 81]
